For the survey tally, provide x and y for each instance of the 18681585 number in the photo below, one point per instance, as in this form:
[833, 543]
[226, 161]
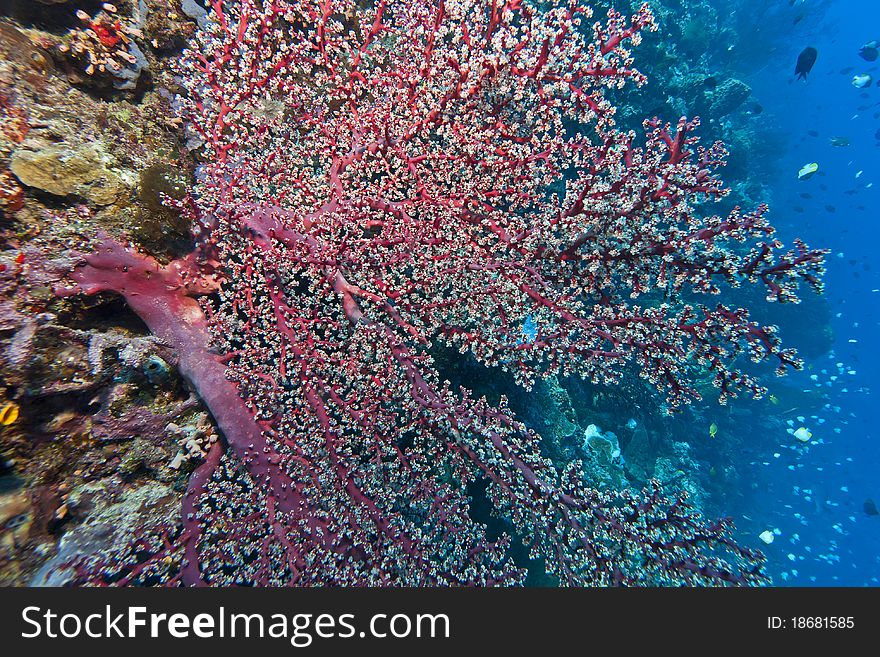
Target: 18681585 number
[821, 622]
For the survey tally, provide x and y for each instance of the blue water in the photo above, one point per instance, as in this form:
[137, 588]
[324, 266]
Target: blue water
[813, 494]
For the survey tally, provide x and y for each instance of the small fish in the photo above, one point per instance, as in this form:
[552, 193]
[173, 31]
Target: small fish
[840, 142]
[773, 399]
[830, 208]
[862, 81]
[813, 133]
[713, 430]
[805, 62]
[9, 413]
[807, 171]
[870, 51]
[847, 70]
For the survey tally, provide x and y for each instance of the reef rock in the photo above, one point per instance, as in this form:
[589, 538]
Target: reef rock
[728, 96]
[64, 170]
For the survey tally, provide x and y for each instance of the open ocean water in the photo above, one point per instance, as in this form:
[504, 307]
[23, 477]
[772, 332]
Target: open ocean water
[820, 498]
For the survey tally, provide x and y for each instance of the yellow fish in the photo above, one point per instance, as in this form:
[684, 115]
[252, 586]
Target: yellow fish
[9, 413]
[713, 430]
[773, 399]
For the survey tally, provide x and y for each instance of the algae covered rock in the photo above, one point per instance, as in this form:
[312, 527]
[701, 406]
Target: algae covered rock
[63, 169]
[159, 226]
[115, 519]
[728, 96]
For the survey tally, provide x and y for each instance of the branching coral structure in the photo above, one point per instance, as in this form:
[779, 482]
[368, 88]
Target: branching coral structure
[380, 178]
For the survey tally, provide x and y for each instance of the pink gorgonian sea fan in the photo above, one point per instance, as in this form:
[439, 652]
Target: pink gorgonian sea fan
[383, 177]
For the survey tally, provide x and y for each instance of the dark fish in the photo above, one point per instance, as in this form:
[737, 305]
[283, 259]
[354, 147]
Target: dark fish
[813, 133]
[798, 19]
[711, 82]
[848, 69]
[869, 51]
[877, 134]
[755, 109]
[805, 62]
[806, 195]
[798, 209]
[830, 208]
[870, 507]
